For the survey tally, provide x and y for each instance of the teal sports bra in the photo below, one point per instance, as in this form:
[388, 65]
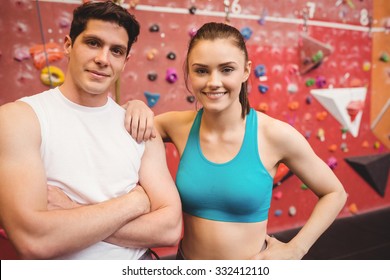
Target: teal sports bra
[236, 191]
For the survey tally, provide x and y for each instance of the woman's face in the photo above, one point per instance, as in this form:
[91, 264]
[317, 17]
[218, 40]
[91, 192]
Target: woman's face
[217, 70]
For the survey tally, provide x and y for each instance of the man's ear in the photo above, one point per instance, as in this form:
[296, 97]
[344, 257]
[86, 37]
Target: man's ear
[126, 60]
[67, 45]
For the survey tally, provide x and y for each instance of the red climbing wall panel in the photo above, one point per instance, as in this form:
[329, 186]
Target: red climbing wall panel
[275, 42]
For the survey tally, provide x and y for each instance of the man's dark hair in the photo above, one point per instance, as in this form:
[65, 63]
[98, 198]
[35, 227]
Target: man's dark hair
[106, 11]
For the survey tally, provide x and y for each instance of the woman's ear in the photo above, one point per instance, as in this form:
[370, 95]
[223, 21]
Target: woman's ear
[247, 70]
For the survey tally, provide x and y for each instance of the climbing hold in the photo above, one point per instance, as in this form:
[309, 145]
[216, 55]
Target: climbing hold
[292, 211]
[293, 69]
[171, 75]
[304, 187]
[64, 22]
[354, 107]
[292, 88]
[278, 212]
[344, 147]
[384, 57]
[263, 16]
[260, 70]
[355, 82]
[377, 145]
[278, 195]
[332, 162]
[374, 169]
[293, 105]
[133, 4]
[320, 81]
[192, 10]
[366, 66]
[353, 208]
[321, 134]
[154, 28]
[246, 32]
[263, 107]
[152, 76]
[317, 57]
[192, 32]
[52, 76]
[344, 130]
[307, 116]
[50, 51]
[308, 100]
[282, 174]
[191, 98]
[171, 56]
[21, 54]
[151, 54]
[262, 88]
[332, 148]
[365, 144]
[312, 52]
[151, 98]
[310, 82]
[321, 115]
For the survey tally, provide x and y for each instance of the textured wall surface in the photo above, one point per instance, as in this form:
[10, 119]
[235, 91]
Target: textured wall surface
[281, 35]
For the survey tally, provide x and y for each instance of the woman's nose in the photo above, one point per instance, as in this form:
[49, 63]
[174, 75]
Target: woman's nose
[214, 80]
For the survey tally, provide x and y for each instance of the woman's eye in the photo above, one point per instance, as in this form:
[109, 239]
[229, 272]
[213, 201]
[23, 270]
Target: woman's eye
[227, 70]
[200, 71]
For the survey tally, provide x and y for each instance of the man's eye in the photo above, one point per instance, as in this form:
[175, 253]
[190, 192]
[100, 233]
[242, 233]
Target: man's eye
[92, 43]
[118, 51]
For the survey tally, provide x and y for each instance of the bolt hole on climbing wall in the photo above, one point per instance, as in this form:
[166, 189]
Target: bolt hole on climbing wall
[322, 66]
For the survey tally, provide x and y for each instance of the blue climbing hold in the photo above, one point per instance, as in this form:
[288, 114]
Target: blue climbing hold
[151, 98]
[262, 88]
[260, 70]
[246, 32]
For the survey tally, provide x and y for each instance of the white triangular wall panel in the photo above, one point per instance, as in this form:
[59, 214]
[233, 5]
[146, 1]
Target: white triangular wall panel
[336, 100]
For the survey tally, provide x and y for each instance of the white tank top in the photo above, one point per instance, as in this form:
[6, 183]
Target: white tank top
[88, 154]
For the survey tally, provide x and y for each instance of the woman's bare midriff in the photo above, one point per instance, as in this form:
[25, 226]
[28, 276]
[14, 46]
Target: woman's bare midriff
[207, 239]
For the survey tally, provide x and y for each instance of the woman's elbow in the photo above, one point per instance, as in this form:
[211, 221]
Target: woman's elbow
[343, 197]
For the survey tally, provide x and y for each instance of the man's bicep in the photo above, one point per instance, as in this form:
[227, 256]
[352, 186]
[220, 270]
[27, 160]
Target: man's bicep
[155, 177]
[23, 181]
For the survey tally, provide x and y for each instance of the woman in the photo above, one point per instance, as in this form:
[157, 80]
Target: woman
[229, 154]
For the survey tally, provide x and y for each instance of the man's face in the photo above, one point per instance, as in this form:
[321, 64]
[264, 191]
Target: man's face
[97, 57]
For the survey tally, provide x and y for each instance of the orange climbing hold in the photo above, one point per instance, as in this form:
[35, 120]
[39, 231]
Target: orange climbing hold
[53, 52]
[353, 208]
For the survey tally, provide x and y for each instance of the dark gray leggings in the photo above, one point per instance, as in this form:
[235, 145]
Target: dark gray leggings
[149, 255]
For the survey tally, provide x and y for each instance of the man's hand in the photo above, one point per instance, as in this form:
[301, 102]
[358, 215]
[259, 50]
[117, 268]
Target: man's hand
[57, 199]
[141, 199]
[139, 120]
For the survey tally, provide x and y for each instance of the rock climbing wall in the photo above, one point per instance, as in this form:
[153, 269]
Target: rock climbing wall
[321, 66]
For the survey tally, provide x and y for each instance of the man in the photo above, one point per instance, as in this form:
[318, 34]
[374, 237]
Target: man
[72, 138]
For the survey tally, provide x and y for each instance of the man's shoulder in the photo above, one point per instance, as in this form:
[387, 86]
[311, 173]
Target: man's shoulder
[41, 95]
[21, 111]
